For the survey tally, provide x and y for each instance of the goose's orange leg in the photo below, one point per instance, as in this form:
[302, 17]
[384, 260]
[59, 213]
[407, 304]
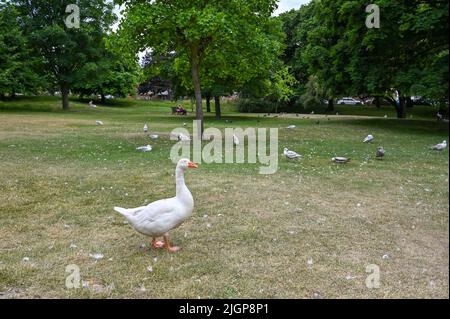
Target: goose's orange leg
[172, 249]
[157, 243]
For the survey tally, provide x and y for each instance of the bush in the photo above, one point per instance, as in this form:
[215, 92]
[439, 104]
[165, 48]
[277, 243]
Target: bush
[255, 106]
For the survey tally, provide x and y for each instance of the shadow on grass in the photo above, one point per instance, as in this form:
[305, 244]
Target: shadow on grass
[417, 126]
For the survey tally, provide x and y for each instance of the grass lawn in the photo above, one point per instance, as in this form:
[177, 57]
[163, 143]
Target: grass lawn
[308, 231]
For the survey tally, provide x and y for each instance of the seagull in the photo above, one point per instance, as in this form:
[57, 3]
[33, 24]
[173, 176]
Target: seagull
[98, 122]
[235, 140]
[291, 127]
[92, 104]
[153, 136]
[146, 148]
[440, 147]
[340, 160]
[368, 139]
[145, 128]
[380, 152]
[291, 154]
[183, 137]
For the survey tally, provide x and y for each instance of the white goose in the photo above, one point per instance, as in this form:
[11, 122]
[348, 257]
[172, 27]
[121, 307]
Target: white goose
[145, 128]
[158, 218]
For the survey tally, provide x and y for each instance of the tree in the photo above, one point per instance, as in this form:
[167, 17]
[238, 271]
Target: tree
[111, 75]
[407, 54]
[197, 29]
[17, 65]
[65, 50]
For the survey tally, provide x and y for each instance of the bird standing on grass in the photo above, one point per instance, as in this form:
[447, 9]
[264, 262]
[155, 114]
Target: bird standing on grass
[146, 148]
[235, 140]
[98, 122]
[183, 137]
[340, 160]
[440, 147]
[380, 152]
[291, 154]
[368, 139]
[145, 128]
[158, 218]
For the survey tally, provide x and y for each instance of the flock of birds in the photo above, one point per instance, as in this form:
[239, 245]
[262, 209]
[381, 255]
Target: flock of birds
[289, 154]
[380, 152]
[158, 218]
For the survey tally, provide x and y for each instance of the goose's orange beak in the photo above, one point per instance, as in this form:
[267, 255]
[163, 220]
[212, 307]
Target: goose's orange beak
[192, 165]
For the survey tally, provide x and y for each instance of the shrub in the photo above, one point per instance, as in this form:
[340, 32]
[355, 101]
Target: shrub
[255, 106]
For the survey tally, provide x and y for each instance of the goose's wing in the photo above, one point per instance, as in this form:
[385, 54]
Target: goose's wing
[156, 210]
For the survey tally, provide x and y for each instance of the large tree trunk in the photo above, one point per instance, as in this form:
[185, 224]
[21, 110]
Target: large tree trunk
[401, 106]
[330, 107]
[208, 103]
[195, 61]
[217, 107]
[409, 102]
[65, 95]
[377, 102]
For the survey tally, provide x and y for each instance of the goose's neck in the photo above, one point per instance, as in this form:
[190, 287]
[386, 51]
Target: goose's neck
[182, 191]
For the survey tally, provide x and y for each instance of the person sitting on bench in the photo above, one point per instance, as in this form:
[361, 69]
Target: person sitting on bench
[181, 110]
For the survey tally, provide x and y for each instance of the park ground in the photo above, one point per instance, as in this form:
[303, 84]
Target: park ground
[308, 231]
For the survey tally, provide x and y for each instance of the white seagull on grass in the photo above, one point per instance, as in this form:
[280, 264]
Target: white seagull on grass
[368, 139]
[440, 147]
[235, 140]
[146, 148]
[183, 137]
[291, 154]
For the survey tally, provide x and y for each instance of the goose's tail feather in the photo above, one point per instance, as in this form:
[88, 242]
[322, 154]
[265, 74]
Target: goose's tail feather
[121, 210]
[128, 211]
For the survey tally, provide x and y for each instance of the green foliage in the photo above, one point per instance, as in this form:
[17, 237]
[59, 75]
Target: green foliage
[314, 93]
[219, 45]
[407, 55]
[65, 51]
[254, 105]
[17, 65]
[111, 75]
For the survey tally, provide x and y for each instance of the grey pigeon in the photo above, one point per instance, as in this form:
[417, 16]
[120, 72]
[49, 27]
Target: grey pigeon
[380, 152]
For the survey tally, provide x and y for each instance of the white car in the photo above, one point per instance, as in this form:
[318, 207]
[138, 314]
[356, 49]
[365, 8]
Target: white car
[349, 101]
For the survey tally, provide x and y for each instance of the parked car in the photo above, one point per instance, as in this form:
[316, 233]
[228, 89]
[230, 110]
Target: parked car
[349, 101]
